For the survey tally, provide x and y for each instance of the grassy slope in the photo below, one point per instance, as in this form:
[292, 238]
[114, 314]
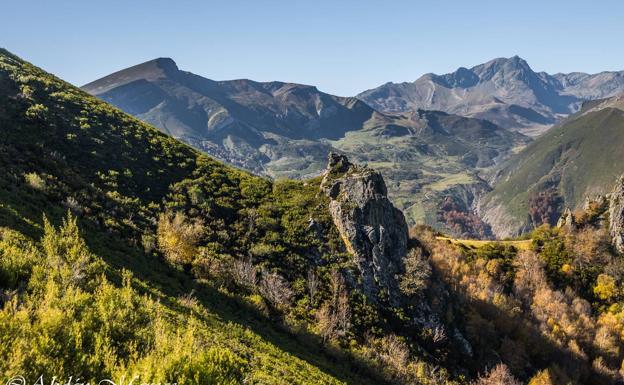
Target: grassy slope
[579, 158]
[524, 244]
[120, 172]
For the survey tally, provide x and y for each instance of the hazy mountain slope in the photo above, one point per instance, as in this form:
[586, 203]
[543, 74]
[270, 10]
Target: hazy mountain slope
[237, 120]
[579, 158]
[589, 87]
[505, 91]
[287, 130]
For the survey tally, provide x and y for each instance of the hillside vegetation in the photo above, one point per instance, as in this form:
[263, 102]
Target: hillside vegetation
[88, 292]
[126, 252]
[578, 159]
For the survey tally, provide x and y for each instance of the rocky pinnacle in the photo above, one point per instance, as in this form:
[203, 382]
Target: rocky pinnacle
[373, 230]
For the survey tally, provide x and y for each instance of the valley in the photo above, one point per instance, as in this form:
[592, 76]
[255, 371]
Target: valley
[573, 163]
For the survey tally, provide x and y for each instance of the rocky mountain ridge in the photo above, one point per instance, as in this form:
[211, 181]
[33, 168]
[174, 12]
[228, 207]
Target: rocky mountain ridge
[505, 91]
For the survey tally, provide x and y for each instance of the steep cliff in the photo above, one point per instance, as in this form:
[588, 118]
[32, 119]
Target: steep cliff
[374, 231]
[616, 216]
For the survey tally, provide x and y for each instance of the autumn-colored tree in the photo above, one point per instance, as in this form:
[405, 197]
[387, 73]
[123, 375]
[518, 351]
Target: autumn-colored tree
[417, 273]
[553, 375]
[498, 375]
[543, 377]
[334, 316]
[326, 322]
[544, 207]
[605, 288]
[342, 309]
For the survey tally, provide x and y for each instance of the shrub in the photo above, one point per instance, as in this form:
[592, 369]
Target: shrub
[276, 290]
[37, 112]
[213, 366]
[499, 375]
[18, 256]
[245, 274]
[605, 287]
[178, 237]
[35, 181]
[68, 261]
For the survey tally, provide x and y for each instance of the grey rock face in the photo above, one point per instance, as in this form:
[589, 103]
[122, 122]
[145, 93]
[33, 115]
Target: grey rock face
[567, 219]
[374, 231]
[616, 216]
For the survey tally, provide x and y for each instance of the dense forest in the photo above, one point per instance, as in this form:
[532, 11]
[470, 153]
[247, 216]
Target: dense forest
[124, 252]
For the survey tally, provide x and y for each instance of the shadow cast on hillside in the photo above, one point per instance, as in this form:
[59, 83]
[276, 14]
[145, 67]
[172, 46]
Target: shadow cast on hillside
[174, 283]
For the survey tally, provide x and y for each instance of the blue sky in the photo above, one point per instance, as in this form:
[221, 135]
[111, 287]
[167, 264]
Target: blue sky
[343, 47]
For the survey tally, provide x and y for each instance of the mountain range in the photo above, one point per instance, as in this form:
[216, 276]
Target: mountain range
[505, 91]
[287, 130]
[233, 120]
[442, 142]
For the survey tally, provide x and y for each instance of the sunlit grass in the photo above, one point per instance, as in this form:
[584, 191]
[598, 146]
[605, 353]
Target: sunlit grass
[524, 244]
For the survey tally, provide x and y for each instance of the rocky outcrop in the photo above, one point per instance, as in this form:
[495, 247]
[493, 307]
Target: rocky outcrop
[616, 216]
[567, 220]
[595, 203]
[373, 230]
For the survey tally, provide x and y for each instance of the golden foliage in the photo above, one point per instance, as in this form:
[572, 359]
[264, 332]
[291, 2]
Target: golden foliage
[178, 237]
[499, 375]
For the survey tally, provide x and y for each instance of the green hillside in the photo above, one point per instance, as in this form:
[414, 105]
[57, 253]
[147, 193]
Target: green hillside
[89, 294]
[577, 159]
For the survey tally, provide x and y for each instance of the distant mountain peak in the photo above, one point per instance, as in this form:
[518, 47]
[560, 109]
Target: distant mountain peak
[505, 66]
[504, 90]
[514, 60]
[462, 78]
[165, 63]
[158, 68]
[151, 69]
[465, 78]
